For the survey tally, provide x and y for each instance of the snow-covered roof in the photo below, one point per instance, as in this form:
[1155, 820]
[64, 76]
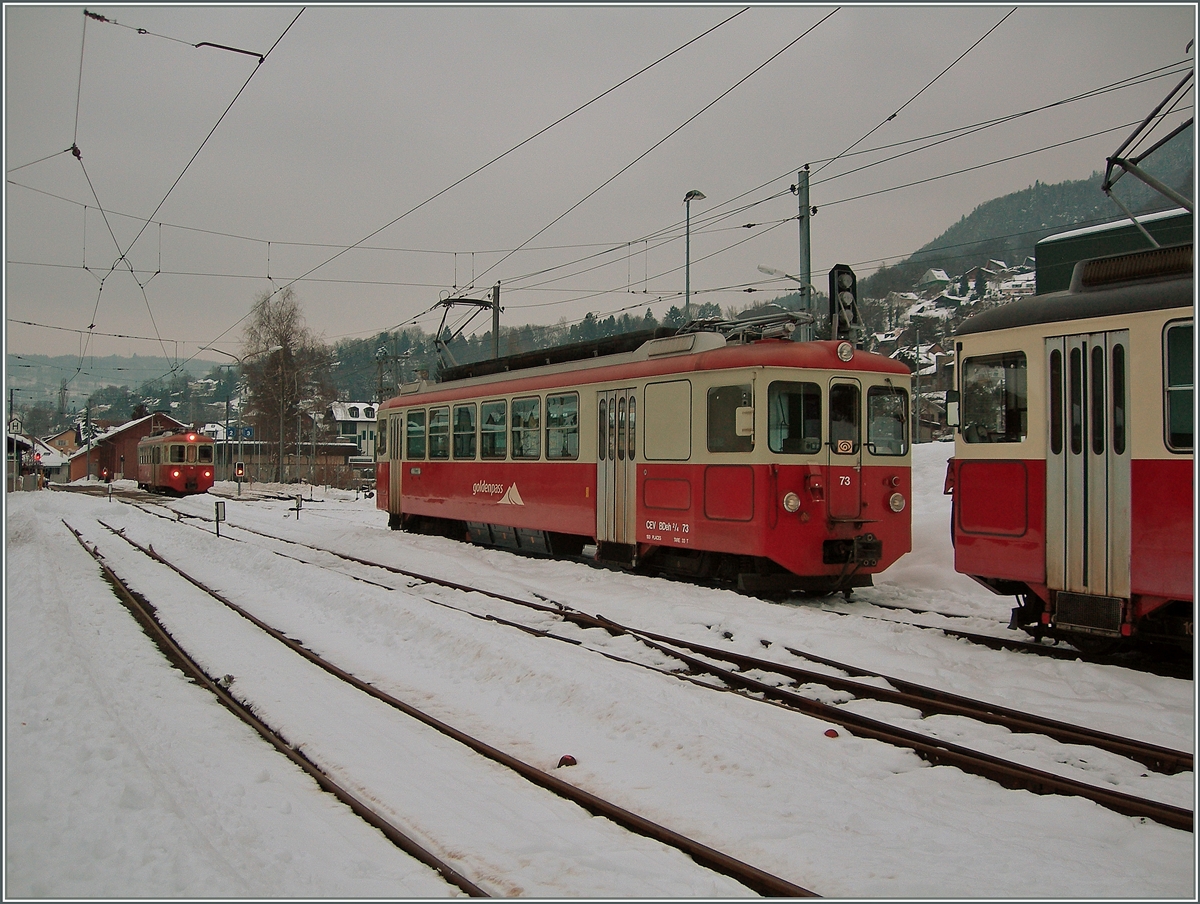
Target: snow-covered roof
[353, 411]
[1105, 227]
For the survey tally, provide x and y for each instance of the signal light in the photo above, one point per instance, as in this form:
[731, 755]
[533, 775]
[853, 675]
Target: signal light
[239, 469]
[844, 320]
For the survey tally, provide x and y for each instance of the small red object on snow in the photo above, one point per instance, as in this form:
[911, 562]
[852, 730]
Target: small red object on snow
[567, 760]
[831, 733]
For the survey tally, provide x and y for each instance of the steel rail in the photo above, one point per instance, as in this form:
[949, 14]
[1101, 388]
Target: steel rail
[143, 612]
[752, 877]
[931, 749]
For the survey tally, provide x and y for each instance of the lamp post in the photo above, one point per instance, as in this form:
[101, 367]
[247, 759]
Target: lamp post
[691, 196]
[241, 363]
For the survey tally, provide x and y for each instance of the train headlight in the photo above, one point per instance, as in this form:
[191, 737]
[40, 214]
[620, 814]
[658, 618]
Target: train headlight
[208, 473]
[845, 351]
[791, 502]
[174, 473]
[896, 502]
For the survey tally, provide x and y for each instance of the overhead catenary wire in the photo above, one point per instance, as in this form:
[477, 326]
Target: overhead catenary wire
[517, 146]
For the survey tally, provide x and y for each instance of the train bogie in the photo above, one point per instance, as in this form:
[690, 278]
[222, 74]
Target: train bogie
[772, 464]
[178, 463]
[1072, 475]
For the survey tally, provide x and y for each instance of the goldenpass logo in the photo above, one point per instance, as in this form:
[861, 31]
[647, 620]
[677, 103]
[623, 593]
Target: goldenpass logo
[483, 486]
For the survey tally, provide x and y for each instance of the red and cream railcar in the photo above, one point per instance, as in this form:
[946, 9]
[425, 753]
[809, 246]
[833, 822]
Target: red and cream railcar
[776, 464]
[179, 463]
[1072, 475]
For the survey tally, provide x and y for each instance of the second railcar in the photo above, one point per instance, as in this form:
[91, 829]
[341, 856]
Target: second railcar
[1072, 475]
[779, 465]
[179, 463]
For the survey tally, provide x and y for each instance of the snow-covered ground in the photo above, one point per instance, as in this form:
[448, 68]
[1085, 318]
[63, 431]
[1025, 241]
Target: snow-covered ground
[125, 780]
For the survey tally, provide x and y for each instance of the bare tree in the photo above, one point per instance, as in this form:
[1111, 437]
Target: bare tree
[286, 369]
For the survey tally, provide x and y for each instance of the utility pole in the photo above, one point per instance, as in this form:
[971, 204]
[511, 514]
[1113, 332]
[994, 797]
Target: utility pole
[917, 389]
[806, 330]
[496, 320]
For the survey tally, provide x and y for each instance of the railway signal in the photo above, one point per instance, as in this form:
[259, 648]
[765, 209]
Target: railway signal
[844, 320]
[239, 469]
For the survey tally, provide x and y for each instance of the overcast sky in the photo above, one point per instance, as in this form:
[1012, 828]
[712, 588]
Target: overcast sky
[359, 115]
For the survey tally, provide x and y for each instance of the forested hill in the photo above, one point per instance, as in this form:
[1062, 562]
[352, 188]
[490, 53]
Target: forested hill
[1008, 228]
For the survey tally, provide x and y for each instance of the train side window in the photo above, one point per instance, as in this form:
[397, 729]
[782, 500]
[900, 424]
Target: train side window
[1056, 396]
[723, 403]
[1118, 399]
[602, 430]
[612, 432]
[381, 447]
[843, 418]
[995, 401]
[632, 426]
[1098, 383]
[562, 426]
[439, 433]
[493, 427]
[621, 429]
[414, 444]
[527, 428]
[206, 454]
[176, 453]
[1179, 389]
[1075, 391]
[887, 420]
[464, 431]
[794, 418]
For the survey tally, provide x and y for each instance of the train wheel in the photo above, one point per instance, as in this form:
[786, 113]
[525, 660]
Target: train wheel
[1092, 645]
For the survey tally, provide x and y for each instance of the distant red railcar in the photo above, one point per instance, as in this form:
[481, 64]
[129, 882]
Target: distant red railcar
[1072, 474]
[775, 464]
[176, 462]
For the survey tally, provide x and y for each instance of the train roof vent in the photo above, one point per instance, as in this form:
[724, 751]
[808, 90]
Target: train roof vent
[1174, 260]
[672, 345]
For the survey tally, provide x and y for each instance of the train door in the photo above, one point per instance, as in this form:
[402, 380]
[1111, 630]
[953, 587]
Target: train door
[1087, 474]
[845, 450]
[616, 475]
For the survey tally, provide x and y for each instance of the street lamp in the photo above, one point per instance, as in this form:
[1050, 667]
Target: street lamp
[691, 196]
[241, 363]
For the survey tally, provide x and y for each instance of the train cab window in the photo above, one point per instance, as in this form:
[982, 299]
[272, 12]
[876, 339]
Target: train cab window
[794, 418]
[191, 454]
[464, 431]
[1179, 374]
[723, 403]
[493, 429]
[844, 435]
[527, 428]
[995, 402]
[381, 446]
[205, 454]
[887, 420]
[414, 448]
[177, 453]
[562, 426]
[439, 433]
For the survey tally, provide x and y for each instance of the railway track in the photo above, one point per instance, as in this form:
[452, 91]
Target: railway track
[700, 660]
[1166, 663]
[747, 875]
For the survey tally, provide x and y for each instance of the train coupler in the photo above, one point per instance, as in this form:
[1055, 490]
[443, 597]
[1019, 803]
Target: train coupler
[864, 551]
